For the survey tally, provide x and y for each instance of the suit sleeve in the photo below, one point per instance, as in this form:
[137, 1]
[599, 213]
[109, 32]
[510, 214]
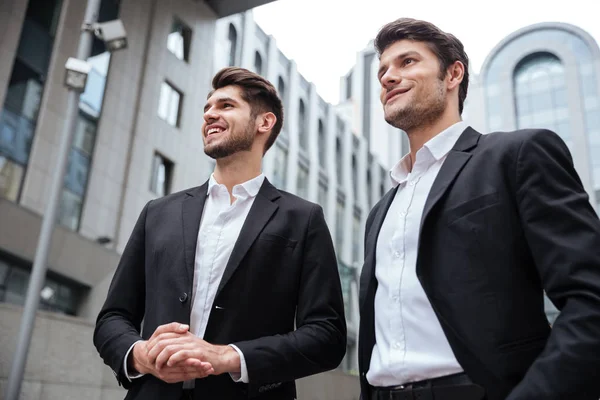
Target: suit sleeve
[319, 342]
[118, 324]
[563, 234]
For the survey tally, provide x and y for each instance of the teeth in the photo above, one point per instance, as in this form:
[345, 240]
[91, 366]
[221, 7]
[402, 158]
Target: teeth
[214, 130]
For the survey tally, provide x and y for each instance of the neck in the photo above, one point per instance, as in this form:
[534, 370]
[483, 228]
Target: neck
[419, 136]
[238, 168]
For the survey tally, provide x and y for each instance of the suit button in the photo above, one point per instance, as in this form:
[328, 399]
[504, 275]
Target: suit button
[183, 298]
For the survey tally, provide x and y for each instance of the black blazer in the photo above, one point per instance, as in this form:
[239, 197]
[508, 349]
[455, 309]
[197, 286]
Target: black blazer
[507, 218]
[282, 270]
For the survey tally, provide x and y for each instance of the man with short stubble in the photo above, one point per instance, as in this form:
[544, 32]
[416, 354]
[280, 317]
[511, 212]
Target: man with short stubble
[229, 290]
[459, 253]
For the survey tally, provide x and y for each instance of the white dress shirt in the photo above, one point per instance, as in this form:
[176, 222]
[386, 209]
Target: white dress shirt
[220, 227]
[410, 343]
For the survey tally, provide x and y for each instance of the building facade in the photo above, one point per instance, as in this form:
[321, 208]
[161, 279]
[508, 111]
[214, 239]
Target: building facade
[548, 76]
[137, 138]
[318, 155]
[359, 101]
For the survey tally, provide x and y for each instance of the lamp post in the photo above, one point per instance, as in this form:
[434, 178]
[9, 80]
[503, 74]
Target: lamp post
[77, 69]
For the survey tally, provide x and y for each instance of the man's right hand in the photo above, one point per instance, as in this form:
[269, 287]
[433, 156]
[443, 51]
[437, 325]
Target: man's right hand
[191, 368]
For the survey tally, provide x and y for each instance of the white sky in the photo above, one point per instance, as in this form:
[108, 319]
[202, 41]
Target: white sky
[323, 36]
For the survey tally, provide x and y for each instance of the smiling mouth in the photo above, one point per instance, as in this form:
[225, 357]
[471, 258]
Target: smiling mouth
[214, 131]
[395, 93]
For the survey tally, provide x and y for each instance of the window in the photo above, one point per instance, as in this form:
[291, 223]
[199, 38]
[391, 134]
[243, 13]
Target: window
[356, 242]
[90, 109]
[322, 195]
[76, 177]
[232, 44]
[354, 177]
[281, 89]
[169, 104]
[58, 294]
[322, 144]
[349, 86]
[339, 225]
[302, 181]
[179, 40]
[11, 175]
[338, 160]
[540, 94]
[302, 133]
[348, 280]
[258, 64]
[369, 189]
[282, 96]
[18, 116]
[162, 173]
[280, 167]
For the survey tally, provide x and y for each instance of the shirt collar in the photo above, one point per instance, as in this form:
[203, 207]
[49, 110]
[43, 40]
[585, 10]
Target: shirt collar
[441, 144]
[438, 146]
[249, 188]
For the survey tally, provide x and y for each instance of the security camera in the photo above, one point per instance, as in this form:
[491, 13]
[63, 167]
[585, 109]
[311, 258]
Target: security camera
[112, 33]
[76, 74]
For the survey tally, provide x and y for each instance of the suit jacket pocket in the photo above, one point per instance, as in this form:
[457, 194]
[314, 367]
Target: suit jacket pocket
[523, 344]
[471, 206]
[278, 240]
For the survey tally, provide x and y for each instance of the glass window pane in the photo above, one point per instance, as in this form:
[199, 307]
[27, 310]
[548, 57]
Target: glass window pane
[302, 182]
[11, 176]
[69, 210]
[280, 167]
[77, 172]
[339, 225]
[179, 40]
[16, 286]
[85, 133]
[322, 196]
[163, 101]
[173, 117]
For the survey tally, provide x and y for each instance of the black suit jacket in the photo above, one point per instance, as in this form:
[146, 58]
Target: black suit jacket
[507, 218]
[282, 270]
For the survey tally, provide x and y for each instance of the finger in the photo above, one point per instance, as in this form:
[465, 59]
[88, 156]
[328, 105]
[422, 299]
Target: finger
[168, 351]
[176, 327]
[163, 336]
[159, 343]
[182, 355]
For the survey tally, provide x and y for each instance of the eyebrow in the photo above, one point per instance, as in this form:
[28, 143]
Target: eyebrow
[399, 57]
[220, 100]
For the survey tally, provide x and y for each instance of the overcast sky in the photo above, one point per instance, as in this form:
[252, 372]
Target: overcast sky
[323, 36]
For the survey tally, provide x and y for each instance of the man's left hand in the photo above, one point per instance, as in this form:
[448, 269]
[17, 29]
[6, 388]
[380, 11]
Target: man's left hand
[170, 351]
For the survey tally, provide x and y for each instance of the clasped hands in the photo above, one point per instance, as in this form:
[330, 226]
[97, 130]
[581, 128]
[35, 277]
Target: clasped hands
[173, 354]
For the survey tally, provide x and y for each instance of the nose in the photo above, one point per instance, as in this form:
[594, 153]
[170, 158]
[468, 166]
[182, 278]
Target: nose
[210, 115]
[390, 78]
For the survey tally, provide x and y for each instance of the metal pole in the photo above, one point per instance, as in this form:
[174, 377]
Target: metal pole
[38, 273]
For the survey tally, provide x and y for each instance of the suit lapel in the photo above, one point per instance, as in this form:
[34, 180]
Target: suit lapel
[456, 160]
[192, 208]
[260, 213]
[368, 271]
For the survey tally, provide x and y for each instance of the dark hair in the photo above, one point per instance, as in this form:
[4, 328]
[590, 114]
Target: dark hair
[445, 46]
[256, 91]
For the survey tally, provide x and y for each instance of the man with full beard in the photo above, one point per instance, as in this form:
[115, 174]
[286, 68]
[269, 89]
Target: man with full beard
[236, 282]
[459, 253]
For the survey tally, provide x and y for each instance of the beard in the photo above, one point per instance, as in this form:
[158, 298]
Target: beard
[235, 143]
[421, 111]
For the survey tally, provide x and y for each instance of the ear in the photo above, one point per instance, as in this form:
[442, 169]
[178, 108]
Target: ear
[265, 122]
[455, 74]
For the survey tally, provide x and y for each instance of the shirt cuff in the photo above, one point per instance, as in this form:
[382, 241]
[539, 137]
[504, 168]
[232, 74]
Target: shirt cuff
[130, 377]
[243, 375]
